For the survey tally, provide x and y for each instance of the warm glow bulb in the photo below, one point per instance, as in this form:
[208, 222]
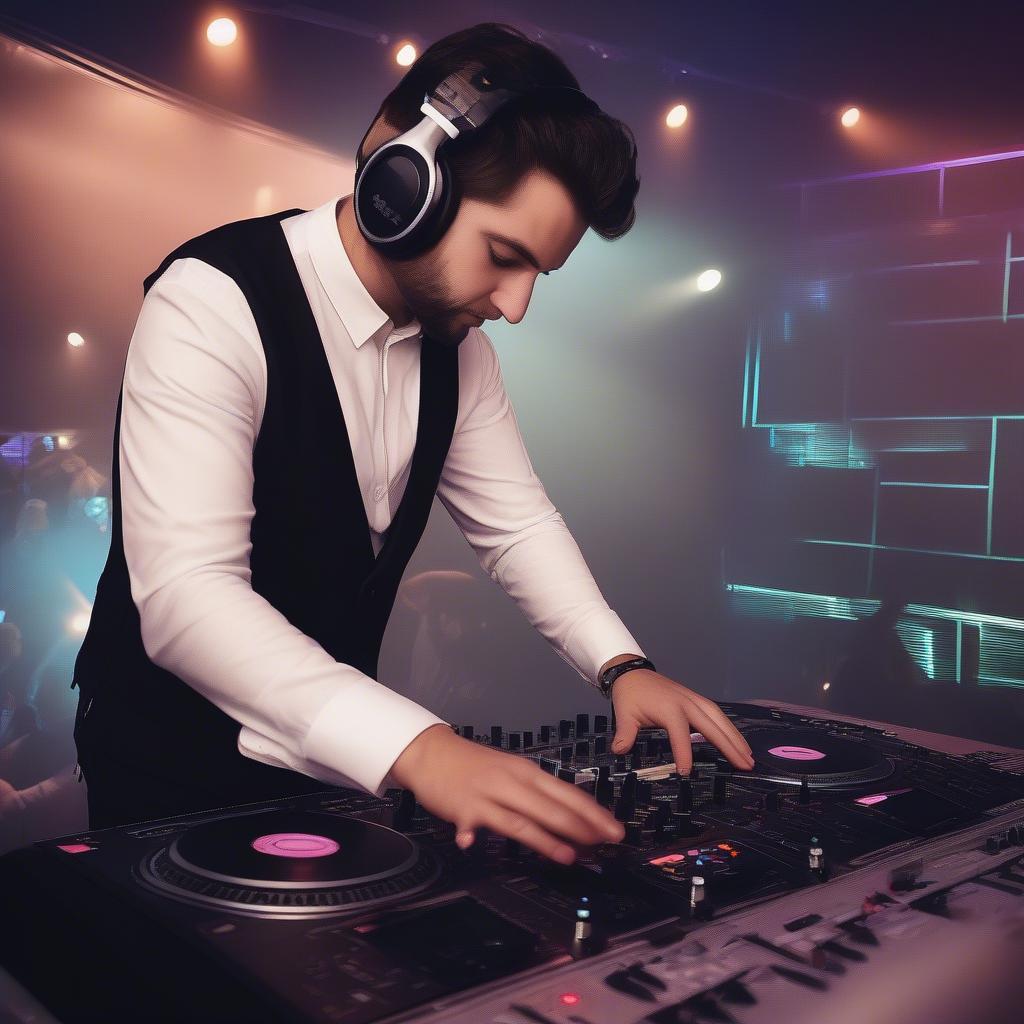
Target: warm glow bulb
[676, 116]
[850, 117]
[708, 280]
[406, 55]
[222, 32]
[826, 686]
[75, 340]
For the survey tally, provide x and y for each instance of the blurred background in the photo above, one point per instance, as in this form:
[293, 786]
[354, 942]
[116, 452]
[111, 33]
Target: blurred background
[783, 417]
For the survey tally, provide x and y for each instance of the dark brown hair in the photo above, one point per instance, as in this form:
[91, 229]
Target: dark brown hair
[592, 154]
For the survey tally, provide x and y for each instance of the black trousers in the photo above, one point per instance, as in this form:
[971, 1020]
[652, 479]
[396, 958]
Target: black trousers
[129, 783]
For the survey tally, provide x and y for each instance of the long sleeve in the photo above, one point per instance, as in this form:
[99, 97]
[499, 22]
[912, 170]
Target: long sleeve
[521, 541]
[194, 392]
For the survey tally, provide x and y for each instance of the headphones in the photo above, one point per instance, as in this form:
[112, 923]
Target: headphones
[405, 197]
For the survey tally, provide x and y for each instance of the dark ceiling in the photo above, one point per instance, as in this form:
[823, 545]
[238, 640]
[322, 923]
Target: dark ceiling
[763, 80]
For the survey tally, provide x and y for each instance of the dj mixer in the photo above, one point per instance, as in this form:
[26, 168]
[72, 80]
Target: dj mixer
[779, 894]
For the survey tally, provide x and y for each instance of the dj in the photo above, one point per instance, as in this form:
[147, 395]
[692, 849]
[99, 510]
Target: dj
[297, 389]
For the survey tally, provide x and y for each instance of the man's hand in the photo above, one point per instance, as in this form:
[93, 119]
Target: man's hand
[642, 697]
[473, 786]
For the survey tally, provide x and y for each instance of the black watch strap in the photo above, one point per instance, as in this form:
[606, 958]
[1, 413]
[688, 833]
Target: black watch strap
[604, 683]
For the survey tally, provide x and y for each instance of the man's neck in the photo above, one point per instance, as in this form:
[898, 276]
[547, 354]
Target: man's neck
[370, 267]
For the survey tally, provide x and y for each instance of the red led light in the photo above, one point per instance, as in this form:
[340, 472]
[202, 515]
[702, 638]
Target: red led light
[724, 846]
[569, 998]
[75, 848]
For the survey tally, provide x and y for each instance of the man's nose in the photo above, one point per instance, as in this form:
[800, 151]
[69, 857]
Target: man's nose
[513, 299]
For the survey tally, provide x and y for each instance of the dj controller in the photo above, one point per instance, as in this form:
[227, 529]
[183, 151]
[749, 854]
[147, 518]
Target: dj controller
[849, 860]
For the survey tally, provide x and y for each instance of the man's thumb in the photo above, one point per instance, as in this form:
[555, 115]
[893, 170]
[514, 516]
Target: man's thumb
[625, 735]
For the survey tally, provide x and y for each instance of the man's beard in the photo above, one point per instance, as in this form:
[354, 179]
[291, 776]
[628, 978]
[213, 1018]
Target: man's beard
[422, 284]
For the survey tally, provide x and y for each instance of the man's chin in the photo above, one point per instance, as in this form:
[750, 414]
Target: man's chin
[447, 336]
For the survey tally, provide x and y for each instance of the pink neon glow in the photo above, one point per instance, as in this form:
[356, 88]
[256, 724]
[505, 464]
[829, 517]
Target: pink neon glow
[295, 844]
[669, 858]
[877, 798]
[797, 753]
[75, 848]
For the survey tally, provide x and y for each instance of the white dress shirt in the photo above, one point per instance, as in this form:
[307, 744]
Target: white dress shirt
[194, 394]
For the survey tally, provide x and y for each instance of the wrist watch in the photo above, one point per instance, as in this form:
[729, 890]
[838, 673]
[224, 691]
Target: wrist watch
[608, 677]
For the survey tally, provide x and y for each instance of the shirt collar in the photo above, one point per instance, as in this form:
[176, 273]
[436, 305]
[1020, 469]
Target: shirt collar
[362, 317]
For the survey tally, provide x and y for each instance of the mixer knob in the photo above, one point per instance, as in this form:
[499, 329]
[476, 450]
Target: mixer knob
[699, 904]
[684, 796]
[816, 858]
[628, 790]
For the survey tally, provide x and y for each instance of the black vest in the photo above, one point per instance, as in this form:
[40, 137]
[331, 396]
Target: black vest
[312, 557]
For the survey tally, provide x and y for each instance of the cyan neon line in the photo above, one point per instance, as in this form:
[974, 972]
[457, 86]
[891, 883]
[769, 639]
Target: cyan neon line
[874, 532]
[757, 379]
[913, 551]
[955, 487]
[927, 611]
[746, 378]
[959, 646]
[991, 486]
[1006, 276]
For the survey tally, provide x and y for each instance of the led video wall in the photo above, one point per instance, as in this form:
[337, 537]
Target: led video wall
[883, 414]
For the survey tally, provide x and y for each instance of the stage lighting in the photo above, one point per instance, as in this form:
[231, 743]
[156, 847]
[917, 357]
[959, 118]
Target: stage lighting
[221, 32]
[406, 55]
[75, 340]
[851, 115]
[676, 116]
[709, 279]
[79, 624]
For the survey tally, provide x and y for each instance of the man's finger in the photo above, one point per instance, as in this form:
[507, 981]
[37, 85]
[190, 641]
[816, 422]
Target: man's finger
[734, 752]
[716, 713]
[519, 827]
[625, 735]
[682, 749]
[581, 804]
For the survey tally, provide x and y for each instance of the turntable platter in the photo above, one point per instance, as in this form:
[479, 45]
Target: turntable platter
[298, 863]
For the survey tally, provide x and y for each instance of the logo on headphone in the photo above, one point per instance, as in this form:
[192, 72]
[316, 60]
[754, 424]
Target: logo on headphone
[385, 211]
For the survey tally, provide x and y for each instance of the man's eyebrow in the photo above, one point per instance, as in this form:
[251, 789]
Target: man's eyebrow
[519, 248]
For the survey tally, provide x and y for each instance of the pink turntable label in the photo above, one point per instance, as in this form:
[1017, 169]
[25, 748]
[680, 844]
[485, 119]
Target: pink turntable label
[295, 844]
[797, 753]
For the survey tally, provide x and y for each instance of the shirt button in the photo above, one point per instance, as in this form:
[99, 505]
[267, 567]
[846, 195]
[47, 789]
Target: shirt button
[379, 493]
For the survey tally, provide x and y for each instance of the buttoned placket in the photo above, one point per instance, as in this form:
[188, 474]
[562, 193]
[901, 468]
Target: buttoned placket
[380, 492]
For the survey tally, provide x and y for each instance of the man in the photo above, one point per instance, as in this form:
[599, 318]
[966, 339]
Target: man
[293, 399]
